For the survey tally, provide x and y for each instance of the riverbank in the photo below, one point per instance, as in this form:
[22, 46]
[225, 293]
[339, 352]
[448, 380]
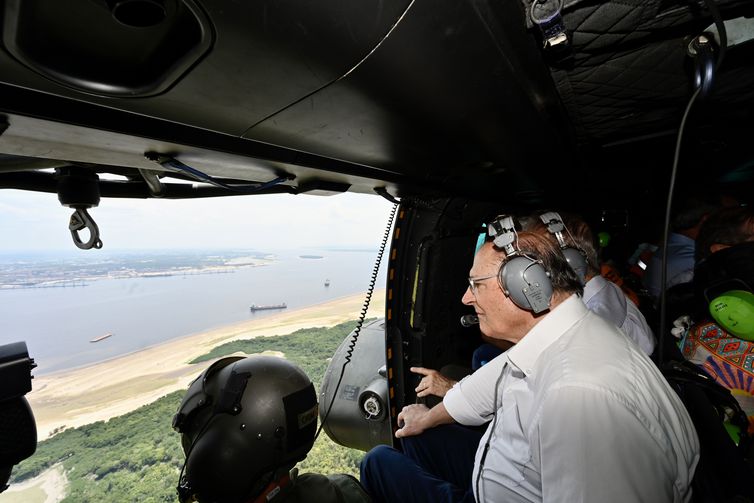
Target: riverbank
[47, 487]
[119, 385]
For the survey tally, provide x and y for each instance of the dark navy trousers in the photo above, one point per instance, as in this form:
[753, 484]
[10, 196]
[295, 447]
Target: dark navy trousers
[434, 467]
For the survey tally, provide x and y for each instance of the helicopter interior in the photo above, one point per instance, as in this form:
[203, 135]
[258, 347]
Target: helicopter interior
[457, 110]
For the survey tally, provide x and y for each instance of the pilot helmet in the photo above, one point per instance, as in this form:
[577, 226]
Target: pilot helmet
[244, 422]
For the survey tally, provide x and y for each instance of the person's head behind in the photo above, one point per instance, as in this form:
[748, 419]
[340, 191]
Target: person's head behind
[577, 234]
[723, 284]
[689, 213]
[500, 317]
[724, 227]
[563, 278]
[244, 423]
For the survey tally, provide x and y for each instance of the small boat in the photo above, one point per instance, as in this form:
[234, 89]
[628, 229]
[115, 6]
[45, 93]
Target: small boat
[262, 307]
[101, 337]
[327, 282]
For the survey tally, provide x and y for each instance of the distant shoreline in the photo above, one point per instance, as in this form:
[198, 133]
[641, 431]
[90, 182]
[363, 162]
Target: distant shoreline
[82, 281]
[112, 387]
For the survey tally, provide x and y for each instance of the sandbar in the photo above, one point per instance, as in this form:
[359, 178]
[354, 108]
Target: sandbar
[97, 392]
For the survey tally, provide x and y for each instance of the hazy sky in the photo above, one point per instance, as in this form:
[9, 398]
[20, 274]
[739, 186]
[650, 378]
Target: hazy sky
[36, 221]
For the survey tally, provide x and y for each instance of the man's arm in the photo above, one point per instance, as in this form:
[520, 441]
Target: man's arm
[472, 400]
[433, 382]
[414, 419]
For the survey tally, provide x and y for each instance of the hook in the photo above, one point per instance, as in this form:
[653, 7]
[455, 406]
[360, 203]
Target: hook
[81, 220]
[703, 49]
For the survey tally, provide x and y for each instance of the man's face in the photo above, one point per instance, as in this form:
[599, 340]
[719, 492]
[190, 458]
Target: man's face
[499, 317]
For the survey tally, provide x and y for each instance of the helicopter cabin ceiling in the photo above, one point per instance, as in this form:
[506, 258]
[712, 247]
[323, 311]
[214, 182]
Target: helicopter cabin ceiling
[422, 98]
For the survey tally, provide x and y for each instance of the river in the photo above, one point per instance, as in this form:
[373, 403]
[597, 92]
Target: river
[58, 323]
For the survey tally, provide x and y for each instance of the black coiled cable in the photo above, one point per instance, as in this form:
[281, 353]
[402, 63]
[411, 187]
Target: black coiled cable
[362, 317]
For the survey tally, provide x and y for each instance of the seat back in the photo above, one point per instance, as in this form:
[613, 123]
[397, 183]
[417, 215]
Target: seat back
[725, 472]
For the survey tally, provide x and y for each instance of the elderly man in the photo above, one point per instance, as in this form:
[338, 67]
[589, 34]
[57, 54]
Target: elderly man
[577, 411]
[600, 295]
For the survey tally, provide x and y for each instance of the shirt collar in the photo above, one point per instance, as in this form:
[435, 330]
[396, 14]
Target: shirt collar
[593, 286]
[549, 329]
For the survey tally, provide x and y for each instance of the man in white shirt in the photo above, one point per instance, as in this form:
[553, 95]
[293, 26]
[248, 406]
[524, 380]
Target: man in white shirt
[600, 295]
[577, 411]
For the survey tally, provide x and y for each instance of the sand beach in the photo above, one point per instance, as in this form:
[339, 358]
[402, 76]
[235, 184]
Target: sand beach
[110, 388]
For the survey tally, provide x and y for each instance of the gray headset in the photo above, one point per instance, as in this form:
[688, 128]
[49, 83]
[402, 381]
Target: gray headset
[523, 278]
[576, 257]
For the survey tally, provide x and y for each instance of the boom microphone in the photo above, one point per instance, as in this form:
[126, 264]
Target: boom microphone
[468, 320]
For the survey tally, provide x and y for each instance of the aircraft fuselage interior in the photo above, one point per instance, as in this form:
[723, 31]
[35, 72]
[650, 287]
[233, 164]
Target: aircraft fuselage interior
[454, 111]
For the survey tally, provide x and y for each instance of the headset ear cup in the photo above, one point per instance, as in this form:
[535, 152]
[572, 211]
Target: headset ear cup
[527, 283]
[577, 261]
[734, 312]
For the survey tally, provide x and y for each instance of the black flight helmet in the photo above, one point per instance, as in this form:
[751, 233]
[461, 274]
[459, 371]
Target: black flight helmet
[244, 422]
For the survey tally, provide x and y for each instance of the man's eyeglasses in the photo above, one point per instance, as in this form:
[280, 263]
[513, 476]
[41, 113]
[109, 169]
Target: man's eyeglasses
[474, 282]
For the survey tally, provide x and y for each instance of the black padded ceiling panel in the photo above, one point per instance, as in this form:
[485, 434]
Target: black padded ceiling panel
[630, 74]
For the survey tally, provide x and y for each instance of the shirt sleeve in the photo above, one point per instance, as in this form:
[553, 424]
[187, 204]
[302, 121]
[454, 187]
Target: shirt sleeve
[612, 304]
[594, 448]
[471, 401]
[636, 328]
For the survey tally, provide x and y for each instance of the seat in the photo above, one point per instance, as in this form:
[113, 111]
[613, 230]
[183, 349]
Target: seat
[725, 471]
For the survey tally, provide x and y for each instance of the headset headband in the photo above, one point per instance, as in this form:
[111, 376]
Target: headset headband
[503, 233]
[555, 225]
[573, 253]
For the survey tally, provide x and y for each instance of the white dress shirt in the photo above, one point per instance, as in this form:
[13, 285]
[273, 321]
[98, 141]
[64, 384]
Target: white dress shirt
[582, 415]
[607, 299]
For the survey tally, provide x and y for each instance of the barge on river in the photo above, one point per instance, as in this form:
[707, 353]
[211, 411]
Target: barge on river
[101, 337]
[263, 307]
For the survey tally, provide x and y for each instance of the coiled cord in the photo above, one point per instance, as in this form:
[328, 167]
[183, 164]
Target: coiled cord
[362, 317]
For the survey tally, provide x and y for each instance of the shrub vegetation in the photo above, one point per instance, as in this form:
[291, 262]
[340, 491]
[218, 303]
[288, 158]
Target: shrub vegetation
[137, 456]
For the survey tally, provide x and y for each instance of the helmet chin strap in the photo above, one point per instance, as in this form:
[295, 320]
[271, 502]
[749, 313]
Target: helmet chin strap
[273, 487]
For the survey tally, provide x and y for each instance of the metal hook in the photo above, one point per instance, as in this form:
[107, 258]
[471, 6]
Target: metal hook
[81, 220]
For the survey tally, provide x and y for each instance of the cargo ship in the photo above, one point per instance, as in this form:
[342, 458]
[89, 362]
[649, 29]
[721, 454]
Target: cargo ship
[257, 307]
[101, 337]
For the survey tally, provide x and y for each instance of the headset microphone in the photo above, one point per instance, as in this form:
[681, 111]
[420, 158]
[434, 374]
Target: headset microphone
[469, 320]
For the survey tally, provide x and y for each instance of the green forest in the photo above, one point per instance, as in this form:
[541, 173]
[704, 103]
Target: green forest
[137, 457]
